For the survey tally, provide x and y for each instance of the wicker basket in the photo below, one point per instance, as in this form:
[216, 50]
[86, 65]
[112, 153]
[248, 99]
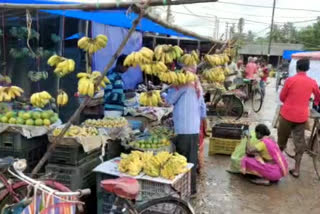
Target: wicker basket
[222, 146]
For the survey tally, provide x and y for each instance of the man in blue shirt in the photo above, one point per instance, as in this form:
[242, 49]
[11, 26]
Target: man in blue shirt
[189, 110]
[114, 93]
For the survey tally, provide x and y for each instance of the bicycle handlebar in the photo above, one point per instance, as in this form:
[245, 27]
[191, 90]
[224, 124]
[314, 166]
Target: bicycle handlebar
[19, 165]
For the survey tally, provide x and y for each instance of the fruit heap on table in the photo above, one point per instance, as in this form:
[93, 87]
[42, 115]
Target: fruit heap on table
[86, 83]
[8, 93]
[77, 131]
[150, 98]
[153, 142]
[162, 132]
[30, 118]
[163, 164]
[107, 122]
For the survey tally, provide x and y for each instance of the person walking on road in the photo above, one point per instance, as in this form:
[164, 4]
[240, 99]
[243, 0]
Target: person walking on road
[251, 69]
[294, 112]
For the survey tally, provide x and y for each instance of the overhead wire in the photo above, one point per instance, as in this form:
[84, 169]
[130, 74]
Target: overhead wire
[268, 7]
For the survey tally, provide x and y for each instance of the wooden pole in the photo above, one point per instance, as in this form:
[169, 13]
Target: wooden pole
[179, 29]
[98, 6]
[87, 99]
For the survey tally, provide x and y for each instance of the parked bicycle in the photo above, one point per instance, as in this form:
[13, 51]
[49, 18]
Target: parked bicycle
[254, 93]
[281, 77]
[17, 194]
[225, 104]
[126, 191]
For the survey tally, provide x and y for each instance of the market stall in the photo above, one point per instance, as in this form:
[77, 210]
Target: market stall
[75, 150]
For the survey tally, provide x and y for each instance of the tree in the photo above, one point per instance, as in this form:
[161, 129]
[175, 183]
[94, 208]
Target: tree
[240, 25]
[310, 35]
[250, 36]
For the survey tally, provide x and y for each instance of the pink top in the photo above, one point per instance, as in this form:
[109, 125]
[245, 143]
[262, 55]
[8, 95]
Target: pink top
[251, 70]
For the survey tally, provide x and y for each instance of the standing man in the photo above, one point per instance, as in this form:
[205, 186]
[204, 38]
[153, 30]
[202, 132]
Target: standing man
[294, 113]
[251, 69]
[189, 110]
[114, 92]
[264, 74]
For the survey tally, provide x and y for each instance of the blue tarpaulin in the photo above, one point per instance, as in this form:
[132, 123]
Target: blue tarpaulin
[118, 18]
[288, 53]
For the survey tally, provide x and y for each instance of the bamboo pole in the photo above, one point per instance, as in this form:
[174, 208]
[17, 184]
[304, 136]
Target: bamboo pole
[181, 30]
[98, 6]
[87, 99]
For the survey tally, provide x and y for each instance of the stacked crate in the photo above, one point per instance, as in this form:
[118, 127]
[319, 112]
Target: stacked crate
[225, 138]
[15, 145]
[72, 166]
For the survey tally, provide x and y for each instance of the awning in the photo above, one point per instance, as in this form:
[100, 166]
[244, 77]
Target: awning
[314, 55]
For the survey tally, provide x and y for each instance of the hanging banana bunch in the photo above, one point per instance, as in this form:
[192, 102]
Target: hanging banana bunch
[93, 45]
[86, 83]
[36, 76]
[62, 98]
[9, 93]
[63, 66]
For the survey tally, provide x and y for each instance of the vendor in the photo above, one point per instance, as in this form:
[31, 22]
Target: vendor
[114, 92]
[189, 108]
[262, 158]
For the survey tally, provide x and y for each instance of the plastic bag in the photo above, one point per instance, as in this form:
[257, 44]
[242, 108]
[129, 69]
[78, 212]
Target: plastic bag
[240, 152]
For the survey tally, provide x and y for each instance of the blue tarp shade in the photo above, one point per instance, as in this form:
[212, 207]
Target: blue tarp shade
[288, 53]
[117, 18]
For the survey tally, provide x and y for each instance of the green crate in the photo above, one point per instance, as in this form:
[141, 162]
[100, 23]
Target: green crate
[222, 146]
[74, 177]
[16, 142]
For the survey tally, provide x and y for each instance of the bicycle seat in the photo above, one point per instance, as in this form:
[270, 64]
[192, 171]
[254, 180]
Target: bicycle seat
[6, 162]
[127, 188]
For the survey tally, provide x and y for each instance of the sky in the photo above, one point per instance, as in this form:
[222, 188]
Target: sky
[201, 18]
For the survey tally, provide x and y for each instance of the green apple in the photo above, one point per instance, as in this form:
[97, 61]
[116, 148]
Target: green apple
[39, 122]
[36, 115]
[12, 120]
[30, 122]
[26, 116]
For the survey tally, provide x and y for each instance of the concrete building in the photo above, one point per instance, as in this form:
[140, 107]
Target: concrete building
[261, 51]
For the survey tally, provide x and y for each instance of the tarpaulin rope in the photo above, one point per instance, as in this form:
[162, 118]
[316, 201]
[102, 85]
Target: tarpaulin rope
[29, 25]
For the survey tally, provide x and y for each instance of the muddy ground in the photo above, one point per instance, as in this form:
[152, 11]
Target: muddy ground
[224, 193]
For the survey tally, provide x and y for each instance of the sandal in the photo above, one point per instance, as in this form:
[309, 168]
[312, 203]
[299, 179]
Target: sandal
[294, 173]
[260, 181]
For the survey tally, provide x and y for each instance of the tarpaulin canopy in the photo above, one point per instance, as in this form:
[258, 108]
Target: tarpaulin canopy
[287, 54]
[118, 18]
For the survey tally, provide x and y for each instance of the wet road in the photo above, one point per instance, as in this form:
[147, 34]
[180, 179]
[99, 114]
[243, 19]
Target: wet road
[224, 193]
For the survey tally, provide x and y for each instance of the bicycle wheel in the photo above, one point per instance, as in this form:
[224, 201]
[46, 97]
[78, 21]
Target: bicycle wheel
[229, 106]
[166, 205]
[316, 155]
[257, 100]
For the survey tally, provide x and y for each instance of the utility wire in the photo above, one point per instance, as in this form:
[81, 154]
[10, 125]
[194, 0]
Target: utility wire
[269, 7]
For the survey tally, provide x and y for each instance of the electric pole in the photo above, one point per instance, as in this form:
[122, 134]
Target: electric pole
[168, 12]
[271, 28]
[227, 30]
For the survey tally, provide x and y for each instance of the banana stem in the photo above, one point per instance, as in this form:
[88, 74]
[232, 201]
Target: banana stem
[87, 99]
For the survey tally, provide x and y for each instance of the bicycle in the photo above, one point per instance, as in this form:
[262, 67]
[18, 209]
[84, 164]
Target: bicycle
[225, 104]
[126, 191]
[13, 193]
[254, 93]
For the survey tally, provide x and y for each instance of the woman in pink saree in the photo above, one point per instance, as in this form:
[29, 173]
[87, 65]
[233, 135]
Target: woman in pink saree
[265, 160]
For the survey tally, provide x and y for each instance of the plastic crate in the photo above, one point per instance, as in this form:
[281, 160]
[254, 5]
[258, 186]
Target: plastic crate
[148, 190]
[16, 142]
[222, 146]
[31, 155]
[74, 177]
[73, 155]
[229, 131]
